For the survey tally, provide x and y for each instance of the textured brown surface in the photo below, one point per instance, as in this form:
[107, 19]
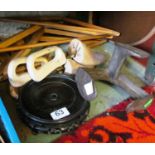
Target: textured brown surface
[132, 25]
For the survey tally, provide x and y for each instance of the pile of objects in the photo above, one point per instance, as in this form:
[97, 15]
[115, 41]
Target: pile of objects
[54, 87]
[42, 79]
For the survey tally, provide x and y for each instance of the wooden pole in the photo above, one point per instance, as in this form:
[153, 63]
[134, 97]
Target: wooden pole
[16, 48]
[35, 38]
[90, 31]
[47, 39]
[19, 36]
[97, 43]
[81, 23]
[64, 33]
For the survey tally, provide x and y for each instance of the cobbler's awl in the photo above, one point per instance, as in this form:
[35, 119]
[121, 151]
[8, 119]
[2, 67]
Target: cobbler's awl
[150, 68]
[121, 52]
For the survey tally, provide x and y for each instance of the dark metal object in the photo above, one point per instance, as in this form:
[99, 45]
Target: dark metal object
[121, 52]
[39, 100]
[85, 85]
[150, 68]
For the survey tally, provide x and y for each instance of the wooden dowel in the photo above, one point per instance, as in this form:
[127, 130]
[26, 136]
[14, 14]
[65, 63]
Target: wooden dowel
[3, 68]
[81, 23]
[19, 36]
[51, 38]
[34, 39]
[63, 33]
[15, 48]
[97, 43]
[20, 42]
[46, 38]
[90, 43]
[90, 31]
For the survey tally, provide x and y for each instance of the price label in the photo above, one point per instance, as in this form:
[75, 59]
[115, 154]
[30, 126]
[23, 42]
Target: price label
[89, 88]
[60, 113]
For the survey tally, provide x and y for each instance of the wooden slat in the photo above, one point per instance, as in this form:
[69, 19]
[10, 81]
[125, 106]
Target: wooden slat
[97, 43]
[47, 38]
[81, 23]
[90, 31]
[19, 36]
[63, 33]
[6, 60]
[91, 41]
[34, 39]
[51, 38]
[15, 48]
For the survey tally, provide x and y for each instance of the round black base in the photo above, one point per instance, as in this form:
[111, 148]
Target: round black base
[39, 99]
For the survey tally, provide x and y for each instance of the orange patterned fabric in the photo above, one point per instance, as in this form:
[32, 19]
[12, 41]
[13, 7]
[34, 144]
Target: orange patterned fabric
[115, 125]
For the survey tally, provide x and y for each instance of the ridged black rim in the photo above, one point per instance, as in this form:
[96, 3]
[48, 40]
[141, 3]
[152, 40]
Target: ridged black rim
[38, 100]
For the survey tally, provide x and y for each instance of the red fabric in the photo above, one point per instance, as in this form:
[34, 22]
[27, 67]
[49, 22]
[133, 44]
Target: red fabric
[115, 125]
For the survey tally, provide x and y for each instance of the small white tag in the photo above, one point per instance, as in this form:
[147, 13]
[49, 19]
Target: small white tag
[89, 88]
[60, 113]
